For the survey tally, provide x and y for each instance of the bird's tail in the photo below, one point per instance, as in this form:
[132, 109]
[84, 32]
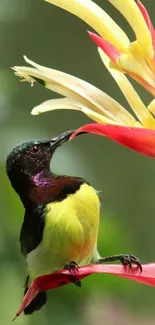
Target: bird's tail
[36, 303]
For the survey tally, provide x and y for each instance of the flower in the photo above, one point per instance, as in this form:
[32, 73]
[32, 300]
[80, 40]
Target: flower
[136, 58]
[120, 56]
[63, 277]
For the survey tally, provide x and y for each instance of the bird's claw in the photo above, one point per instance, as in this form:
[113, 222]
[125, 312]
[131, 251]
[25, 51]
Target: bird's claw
[77, 282]
[72, 267]
[125, 259]
[128, 259]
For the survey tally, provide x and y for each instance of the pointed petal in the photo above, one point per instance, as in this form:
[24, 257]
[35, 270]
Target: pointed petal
[137, 139]
[66, 103]
[111, 51]
[133, 15]
[43, 283]
[81, 92]
[97, 18]
[144, 116]
[150, 27]
[132, 62]
[59, 278]
[53, 104]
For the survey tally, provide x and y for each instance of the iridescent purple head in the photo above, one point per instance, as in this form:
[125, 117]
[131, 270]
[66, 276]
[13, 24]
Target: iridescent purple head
[32, 157]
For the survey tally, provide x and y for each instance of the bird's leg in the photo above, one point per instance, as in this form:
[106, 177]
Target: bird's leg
[72, 267]
[125, 259]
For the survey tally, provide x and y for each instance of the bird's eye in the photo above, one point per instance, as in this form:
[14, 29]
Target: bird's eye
[35, 149]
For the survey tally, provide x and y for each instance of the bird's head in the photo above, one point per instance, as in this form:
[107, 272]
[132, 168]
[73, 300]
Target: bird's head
[31, 158]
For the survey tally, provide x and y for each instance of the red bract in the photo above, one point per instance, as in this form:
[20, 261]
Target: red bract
[59, 278]
[137, 139]
[112, 52]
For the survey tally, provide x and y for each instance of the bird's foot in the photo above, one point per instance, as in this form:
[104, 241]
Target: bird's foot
[125, 259]
[72, 267]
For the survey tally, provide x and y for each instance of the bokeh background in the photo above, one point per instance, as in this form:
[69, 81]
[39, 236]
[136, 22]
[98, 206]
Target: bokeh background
[52, 37]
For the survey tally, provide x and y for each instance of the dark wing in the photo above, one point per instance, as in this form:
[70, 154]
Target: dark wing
[32, 229]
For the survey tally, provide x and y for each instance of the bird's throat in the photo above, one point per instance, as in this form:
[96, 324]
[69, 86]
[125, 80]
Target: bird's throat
[47, 187]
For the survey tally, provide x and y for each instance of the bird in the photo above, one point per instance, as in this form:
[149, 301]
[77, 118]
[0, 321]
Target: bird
[62, 213]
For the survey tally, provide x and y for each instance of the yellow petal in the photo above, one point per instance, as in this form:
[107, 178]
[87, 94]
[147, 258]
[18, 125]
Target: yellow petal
[97, 117]
[151, 107]
[83, 93]
[53, 104]
[66, 103]
[131, 12]
[136, 51]
[144, 116]
[97, 18]
[128, 63]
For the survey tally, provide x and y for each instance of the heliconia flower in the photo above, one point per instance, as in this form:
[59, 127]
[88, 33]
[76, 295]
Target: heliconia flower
[80, 95]
[120, 57]
[137, 58]
[63, 277]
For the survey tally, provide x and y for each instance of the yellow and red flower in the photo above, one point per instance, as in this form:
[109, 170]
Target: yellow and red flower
[121, 57]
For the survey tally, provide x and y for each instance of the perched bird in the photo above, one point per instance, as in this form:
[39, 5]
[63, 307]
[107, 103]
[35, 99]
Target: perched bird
[61, 220]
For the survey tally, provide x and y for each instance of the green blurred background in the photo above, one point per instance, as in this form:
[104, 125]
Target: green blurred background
[52, 37]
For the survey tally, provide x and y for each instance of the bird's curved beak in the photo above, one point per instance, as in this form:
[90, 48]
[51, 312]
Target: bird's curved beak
[60, 139]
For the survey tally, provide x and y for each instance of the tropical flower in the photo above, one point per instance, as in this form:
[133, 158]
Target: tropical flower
[121, 57]
[137, 59]
[63, 277]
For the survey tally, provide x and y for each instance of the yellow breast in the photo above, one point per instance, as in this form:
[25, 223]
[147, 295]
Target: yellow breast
[70, 233]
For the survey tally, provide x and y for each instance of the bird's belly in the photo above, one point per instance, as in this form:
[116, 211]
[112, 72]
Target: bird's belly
[60, 250]
[70, 234]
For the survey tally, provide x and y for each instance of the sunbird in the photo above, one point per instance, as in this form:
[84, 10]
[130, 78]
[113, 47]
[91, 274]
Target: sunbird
[62, 213]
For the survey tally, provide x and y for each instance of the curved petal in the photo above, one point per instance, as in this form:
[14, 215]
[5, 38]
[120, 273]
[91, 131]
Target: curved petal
[53, 104]
[143, 114]
[66, 103]
[97, 117]
[111, 51]
[97, 18]
[63, 277]
[83, 93]
[137, 139]
[132, 62]
[136, 51]
[133, 15]
[151, 29]
[134, 68]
